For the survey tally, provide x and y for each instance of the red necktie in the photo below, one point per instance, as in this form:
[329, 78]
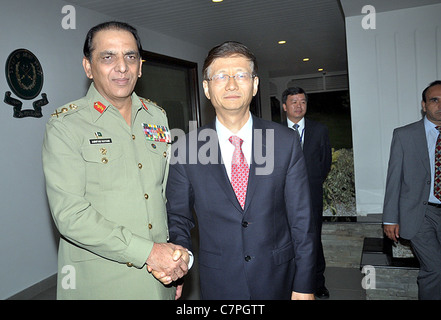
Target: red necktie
[437, 180]
[239, 171]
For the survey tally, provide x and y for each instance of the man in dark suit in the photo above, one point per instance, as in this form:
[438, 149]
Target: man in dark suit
[412, 206]
[259, 243]
[314, 139]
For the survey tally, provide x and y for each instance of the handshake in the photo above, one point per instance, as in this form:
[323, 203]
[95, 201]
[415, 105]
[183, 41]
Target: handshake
[168, 262]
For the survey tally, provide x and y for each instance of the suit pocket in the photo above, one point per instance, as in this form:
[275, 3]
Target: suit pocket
[284, 254]
[209, 259]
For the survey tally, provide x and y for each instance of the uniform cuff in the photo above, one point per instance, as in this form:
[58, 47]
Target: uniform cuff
[138, 251]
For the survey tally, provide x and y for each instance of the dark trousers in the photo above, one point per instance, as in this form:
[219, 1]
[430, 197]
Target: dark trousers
[427, 248]
[321, 263]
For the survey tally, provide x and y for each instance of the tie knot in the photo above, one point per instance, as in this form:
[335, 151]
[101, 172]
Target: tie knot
[296, 126]
[236, 141]
[438, 128]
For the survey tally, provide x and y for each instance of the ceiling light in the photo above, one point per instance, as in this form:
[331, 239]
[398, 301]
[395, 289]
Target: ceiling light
[320, 69]
[305, 59]
[282, 42]
[217, 0]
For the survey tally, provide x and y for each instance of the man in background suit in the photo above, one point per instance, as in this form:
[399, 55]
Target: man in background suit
[314, 139]
[255, 245]
[412, 206]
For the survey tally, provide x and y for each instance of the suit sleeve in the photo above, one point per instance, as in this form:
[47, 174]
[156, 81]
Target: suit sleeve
[180, 199]
[302, 223]
[393, 181]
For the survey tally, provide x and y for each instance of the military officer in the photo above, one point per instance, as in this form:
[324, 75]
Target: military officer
[105, 159]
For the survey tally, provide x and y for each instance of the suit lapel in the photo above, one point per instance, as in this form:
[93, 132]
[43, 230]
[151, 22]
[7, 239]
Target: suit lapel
[308, 136]
[252, 180]
[420, 142]
[220, 176]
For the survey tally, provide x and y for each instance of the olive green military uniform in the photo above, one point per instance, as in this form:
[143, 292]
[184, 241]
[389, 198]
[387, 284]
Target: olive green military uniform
[106, 188]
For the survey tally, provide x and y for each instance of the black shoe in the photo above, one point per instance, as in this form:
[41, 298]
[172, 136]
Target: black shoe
[322, 293]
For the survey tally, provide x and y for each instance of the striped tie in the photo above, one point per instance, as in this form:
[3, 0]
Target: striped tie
[437, 180]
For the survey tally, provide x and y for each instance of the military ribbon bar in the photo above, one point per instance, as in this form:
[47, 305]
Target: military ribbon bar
[156, 133]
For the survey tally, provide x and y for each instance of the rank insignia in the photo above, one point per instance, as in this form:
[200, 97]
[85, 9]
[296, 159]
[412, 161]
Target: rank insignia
[143, 104]
[99, 107]
[156, 133]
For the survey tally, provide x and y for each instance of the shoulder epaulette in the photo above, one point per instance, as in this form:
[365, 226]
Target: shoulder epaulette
[150, 102]
[64, 109]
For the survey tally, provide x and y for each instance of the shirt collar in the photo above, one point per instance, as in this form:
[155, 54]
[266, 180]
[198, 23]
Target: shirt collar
[245, 133]
[301, 123]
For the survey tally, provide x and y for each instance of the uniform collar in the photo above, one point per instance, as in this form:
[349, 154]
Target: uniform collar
[100, 106]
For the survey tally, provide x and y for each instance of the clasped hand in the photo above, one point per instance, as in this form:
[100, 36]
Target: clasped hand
[168, 262]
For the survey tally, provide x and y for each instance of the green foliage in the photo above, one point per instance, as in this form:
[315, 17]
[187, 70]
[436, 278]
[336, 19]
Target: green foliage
[339, 186]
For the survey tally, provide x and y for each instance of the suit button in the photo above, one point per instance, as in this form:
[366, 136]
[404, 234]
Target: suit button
[140, 165]
[129, 264]
[150, 226]
[244, 224]
[247, 258]
[146, 196]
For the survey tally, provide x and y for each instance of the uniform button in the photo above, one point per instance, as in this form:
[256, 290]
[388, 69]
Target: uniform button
[129, 264]
[150, 226]
[165, 154]
[133, 137]
[140, 165]
[247, 258]
[104, 160]
[244, 224]
[146, 196]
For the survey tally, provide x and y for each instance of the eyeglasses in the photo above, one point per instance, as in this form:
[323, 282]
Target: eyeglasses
[222, 78]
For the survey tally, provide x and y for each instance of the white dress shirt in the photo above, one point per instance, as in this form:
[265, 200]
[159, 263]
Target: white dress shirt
[227, 148]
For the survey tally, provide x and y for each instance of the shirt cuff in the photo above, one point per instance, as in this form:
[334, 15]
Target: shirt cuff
[190, 262]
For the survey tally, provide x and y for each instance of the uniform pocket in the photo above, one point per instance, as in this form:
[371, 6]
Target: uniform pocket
[105, 166]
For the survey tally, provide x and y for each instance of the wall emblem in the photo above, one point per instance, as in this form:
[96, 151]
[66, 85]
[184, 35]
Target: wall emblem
[24, 75]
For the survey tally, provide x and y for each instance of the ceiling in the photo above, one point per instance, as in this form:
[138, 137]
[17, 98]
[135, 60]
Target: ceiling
[313, 29]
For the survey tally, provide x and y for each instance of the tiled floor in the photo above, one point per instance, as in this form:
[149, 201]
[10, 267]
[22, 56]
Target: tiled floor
[342, 283]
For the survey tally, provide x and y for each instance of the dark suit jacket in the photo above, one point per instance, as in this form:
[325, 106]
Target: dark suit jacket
[318, 158]
[265, 251]
[408, 179]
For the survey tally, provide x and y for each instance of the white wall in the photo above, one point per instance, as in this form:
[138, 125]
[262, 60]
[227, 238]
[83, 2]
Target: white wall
[28, 240]
[388, 69]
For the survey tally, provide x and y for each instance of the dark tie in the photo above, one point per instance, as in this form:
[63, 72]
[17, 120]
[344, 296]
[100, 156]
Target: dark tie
[239, 171]
[296, 130]
[437, 180]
